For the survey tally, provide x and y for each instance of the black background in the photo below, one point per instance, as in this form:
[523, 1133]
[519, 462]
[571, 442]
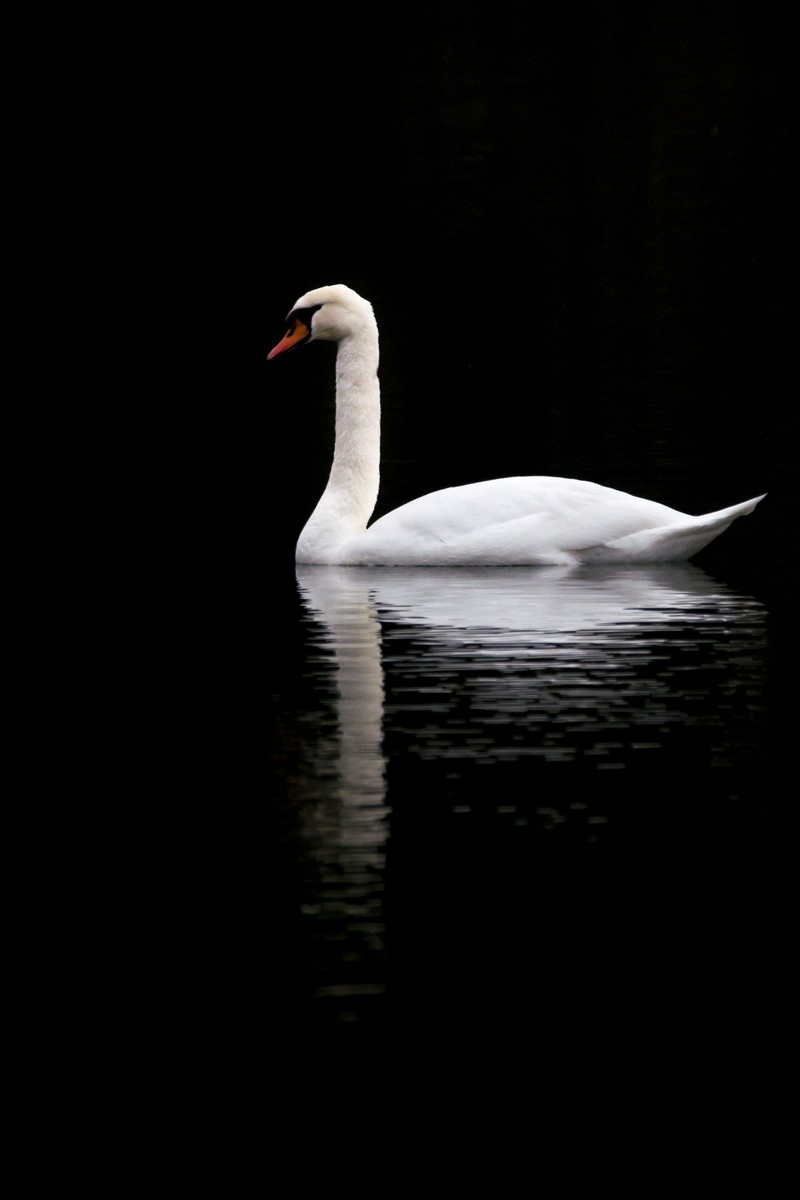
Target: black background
[577, 227]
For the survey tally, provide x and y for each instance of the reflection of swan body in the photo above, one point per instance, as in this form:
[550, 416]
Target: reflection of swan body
[531, 520]
[544, 662]
[484, 605]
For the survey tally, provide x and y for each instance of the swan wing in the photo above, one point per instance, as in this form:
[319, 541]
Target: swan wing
[527, 519]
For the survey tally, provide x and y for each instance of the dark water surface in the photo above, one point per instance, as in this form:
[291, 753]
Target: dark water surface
[539, 823]
[525, 711]
[376, 866]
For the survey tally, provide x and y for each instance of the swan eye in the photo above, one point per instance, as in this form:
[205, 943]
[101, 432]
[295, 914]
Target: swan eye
[306, 315]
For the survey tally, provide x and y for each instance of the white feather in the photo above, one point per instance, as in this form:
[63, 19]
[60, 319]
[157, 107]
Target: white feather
[527, 520]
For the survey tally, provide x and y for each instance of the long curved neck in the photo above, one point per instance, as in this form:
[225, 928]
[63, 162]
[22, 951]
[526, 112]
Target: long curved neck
[347, 503]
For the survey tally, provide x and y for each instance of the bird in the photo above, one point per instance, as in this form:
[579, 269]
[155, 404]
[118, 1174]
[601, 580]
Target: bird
[536, 520]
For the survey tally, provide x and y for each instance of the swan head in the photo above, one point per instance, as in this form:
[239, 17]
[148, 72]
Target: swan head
[328, 314]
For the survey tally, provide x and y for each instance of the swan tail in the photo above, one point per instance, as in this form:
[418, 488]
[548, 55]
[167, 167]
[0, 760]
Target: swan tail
[735, 510]
[669, 543]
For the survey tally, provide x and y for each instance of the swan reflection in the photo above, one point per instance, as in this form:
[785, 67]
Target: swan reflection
[573, 670]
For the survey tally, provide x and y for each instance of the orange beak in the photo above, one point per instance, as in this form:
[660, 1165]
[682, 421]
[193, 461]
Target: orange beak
[298, 333]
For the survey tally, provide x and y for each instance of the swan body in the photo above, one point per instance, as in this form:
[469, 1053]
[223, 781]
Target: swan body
[520, 521]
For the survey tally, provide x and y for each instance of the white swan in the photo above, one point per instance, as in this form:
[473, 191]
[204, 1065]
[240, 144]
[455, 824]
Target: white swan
[528, 520]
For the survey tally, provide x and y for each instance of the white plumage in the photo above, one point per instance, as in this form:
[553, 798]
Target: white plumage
[527, 520]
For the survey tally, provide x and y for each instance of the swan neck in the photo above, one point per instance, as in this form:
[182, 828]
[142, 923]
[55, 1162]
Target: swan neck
[356, 456]
[352, 489]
